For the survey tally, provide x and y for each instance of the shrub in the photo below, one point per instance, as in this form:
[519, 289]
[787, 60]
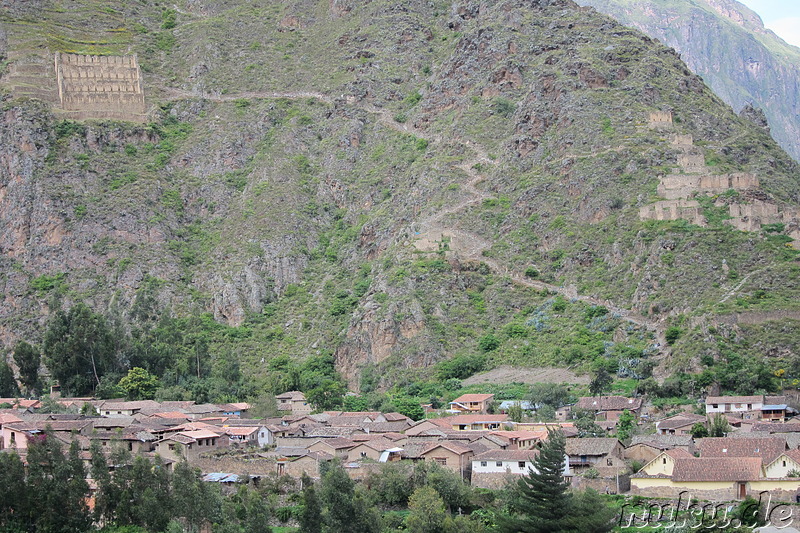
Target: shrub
[672, 334]
[488, 343]
[531, 272]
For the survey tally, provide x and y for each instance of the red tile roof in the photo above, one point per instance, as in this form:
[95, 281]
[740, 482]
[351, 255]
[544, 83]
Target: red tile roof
[466, 398]
[717, 469]
[763, 448]
[608, 403]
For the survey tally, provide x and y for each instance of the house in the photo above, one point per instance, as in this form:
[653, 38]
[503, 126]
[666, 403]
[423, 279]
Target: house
[17, 434]
[491, 469]
[472, 403]
[116, 409]
[774, 412]
[294, 402]
[189, 444]
[645, 448]
[664, 463]
[335, 447]
[449, 455]
[475, 422]
[522, 440]
[680, 424]
[295, 462]
[242, 436]
[733, 404]
[602, 453]
[609, 407]
[380, 450]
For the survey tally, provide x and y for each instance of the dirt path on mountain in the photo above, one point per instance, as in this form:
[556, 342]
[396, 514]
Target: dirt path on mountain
[509, 374]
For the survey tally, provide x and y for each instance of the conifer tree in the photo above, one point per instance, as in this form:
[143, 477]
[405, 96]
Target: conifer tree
[311, 515]
[540, 497]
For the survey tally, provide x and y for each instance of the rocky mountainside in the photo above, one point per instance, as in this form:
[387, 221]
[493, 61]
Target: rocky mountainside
[725, 43]
[395, 183]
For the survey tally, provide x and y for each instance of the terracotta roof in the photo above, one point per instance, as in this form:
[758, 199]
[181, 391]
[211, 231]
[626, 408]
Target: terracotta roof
[680, 420]
[717, 469]
[22, 402]
[506, 455]
[128, 406]
[662, 441]
[200, 434]
[8, 418]
[325, 431]
[591, 446]
[521, 435]
[395, 417]
[240, 432]
[171, 414]
[337, 443]
[608, 403]
[677, 453]
[734, 399]
[121, 422]
[291, 395]
[765, 448]
[456, 448]
[466, 398]
[776, 427]
[378, 444]
[386, 427]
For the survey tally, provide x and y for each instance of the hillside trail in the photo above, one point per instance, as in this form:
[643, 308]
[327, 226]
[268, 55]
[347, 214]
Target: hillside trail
[465, 244]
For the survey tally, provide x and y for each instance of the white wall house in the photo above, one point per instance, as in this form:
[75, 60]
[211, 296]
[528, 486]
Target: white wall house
[733, 404]
[508, 462]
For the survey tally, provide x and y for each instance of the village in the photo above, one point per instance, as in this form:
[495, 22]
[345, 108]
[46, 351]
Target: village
[759, 452]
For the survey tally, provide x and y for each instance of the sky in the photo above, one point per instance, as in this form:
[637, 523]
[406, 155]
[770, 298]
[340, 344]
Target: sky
[781, 16]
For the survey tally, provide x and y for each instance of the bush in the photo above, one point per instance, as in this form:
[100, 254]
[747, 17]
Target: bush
[672, 334]
[531, 272]
[488, 343]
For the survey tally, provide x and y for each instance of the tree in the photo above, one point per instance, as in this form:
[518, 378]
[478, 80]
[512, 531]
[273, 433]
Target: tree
[553, 394]
[539, 499]
[59, 482]
[625, 425]
[409, 407]
[15, 497]
[310, 519]
[540, 502]
[28, 358]
[426, 512]
[8, 385]
[337, 491]
[79, 349]
[585, 424]
[328, 395]
[698, 430]
[139, 384]
[601, 382]
[718, 426]
[515, 412]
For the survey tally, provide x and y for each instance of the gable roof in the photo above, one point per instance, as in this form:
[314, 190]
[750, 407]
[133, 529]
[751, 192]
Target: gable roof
[456, 448]
[467, 398]
[291, 395]
[734, 399]
[767, 448]
[680, 420]
[591, 446]
[717, 469]
[662, 441]
[608, 403]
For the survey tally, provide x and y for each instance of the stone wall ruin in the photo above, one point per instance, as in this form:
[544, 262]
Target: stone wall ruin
[100, 87]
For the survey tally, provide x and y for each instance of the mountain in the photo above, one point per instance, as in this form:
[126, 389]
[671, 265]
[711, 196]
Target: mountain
[727, 44]
[393, 184]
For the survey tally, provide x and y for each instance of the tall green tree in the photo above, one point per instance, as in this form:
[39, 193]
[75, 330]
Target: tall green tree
[539, 498]
[139, 384]
[16, 501]
[718, 426]
[553, 394]
[58, 481]
[426, 512]
[310, 519]
[540, 502]
[337, 491]
[601, 382]
[8, 385]
[28, 359]
[79, 348]
[625, 425]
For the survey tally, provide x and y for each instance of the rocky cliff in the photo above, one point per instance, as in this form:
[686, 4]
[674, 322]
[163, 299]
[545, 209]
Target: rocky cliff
[727, 44]
[390, 182]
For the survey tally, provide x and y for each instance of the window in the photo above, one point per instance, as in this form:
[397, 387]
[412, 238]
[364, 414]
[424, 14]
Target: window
[715, 406]
[498, 463]
[784, 463]
[483, 463]
[441, 460]
[609, 462]
[13, 438]
[521, 464]
[664, 460]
